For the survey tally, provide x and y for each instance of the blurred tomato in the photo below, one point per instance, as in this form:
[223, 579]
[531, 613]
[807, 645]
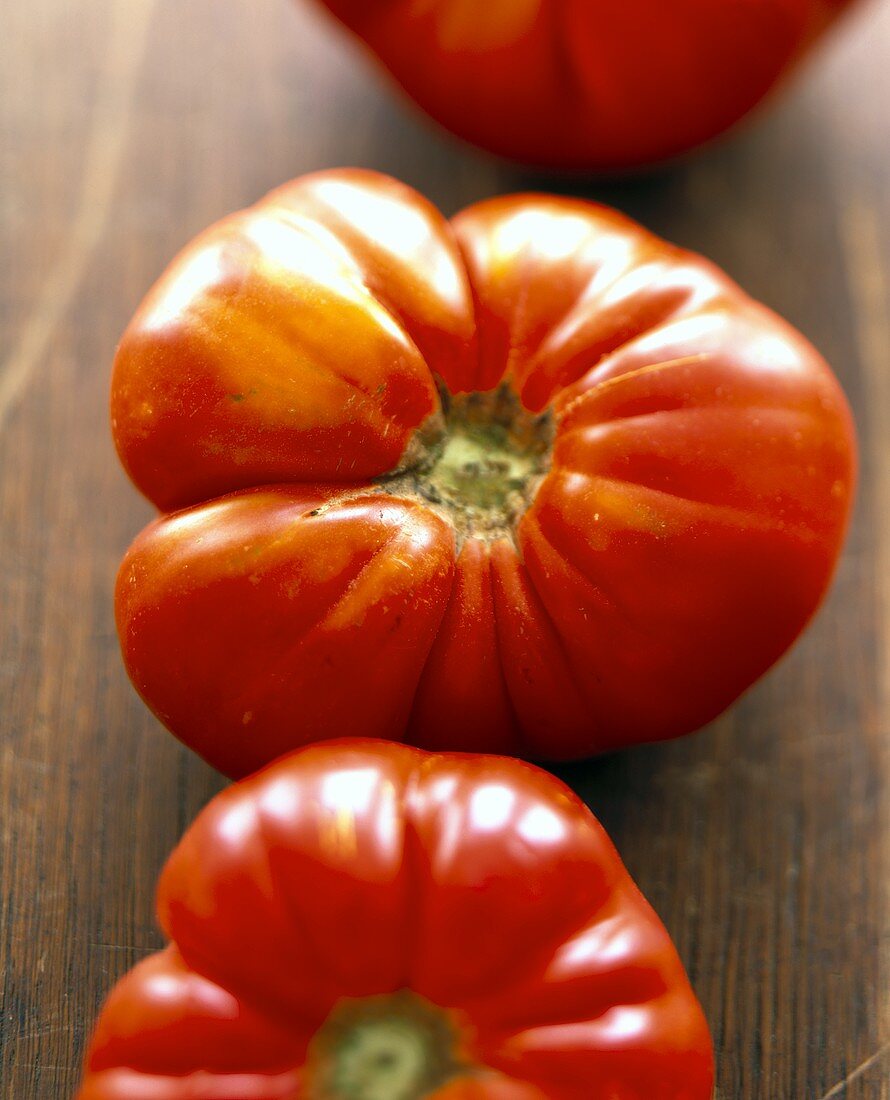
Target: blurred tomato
[532, 482]
[587, 83]
[366, 922]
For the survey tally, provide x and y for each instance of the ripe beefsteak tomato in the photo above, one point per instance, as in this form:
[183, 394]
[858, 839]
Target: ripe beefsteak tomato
[364, 921]
[533, 482]
[596, 84]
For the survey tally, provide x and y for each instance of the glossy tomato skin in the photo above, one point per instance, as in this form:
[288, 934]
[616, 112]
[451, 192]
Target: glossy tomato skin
[292, 342]
[696, 492]
[357, 869]
[587, 83]
[287, 607]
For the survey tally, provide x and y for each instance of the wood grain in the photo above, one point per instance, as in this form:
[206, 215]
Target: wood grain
[764, 842]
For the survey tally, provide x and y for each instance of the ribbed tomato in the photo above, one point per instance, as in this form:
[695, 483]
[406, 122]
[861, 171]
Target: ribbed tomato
[363, 921]
[588, 83]
[532, 482]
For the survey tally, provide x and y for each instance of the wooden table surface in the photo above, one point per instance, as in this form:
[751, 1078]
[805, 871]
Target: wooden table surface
[128, 125]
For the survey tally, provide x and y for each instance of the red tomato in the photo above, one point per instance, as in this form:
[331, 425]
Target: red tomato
[534, 482]
[588, 83]
[363, 921]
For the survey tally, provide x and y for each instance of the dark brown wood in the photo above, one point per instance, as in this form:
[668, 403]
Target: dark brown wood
[128, 125]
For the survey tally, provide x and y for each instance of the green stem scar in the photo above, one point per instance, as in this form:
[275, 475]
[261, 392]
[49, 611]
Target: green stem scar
[484, 468]
[396, 1046]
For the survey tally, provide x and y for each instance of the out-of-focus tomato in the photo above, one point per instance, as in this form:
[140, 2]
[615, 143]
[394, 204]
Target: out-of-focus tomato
[532, 482]
[597, 84]
[364, 921]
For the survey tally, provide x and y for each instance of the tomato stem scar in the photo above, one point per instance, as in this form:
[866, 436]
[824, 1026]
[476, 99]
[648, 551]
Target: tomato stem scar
[396, 1046]
[484, 466]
